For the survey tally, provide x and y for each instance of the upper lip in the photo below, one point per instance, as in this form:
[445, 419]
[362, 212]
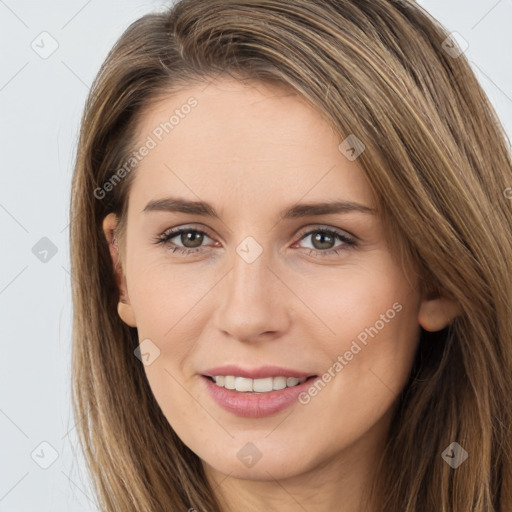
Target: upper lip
[255, 373]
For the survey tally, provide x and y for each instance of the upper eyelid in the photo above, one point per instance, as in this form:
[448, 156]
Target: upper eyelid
[187, 227]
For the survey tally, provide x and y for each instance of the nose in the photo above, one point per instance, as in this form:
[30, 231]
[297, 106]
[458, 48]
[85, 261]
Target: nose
[252, 301]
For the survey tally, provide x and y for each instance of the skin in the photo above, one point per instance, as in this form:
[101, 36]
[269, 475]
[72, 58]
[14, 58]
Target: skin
[251, 150]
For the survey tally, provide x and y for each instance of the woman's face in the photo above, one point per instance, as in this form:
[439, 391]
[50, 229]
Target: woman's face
[247, 291]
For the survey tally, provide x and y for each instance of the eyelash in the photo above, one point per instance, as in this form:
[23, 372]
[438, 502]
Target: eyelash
[165, 238]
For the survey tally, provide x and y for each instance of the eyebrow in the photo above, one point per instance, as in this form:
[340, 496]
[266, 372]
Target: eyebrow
[172, 204]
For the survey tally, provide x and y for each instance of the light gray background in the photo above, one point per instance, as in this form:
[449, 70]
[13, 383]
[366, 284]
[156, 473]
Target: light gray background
[41, 101]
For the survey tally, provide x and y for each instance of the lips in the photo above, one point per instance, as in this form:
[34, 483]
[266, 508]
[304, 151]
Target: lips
[252, 404]
[259, 402]
[261, 372]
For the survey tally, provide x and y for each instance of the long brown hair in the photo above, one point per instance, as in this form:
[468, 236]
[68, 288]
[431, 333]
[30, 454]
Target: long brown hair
[439, 163]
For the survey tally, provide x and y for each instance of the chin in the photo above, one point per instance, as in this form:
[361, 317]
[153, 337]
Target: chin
[274, 466]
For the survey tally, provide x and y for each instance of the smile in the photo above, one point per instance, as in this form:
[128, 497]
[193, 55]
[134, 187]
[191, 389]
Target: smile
[255, 398]
[266, 385]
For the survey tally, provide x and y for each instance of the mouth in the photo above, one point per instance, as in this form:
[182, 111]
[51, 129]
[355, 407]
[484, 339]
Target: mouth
[257, 386]
[258, 397]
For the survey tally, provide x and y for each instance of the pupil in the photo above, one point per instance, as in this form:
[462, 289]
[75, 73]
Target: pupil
[320, 237]
[189, 236]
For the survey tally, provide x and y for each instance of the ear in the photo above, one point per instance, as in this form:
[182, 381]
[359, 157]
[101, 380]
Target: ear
[124, 307]
[437, 312]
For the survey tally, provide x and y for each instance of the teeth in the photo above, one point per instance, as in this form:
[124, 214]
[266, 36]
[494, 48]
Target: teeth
[265, 385]
[292, 381]
[229, 382]
[243, 384]
[279, 383]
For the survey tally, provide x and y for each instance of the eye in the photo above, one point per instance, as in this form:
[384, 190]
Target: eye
[191, 239]
[322, 240]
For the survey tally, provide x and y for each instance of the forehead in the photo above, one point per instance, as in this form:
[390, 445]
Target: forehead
[243, 141]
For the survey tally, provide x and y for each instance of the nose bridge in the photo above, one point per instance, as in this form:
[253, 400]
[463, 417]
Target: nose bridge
[249, 276]
[249, 279]
[248, 305]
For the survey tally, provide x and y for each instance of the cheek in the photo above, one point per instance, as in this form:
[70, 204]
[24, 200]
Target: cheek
[352, 300]
[368, 330]
[164, 295]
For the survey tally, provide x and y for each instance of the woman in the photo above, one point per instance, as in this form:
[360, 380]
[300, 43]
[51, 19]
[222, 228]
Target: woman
[292, 250]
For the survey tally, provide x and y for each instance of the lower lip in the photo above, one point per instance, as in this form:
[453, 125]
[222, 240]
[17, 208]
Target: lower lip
[255, 405]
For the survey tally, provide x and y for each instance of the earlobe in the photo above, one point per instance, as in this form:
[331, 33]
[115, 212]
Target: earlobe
[436, 313]
[125, 311]
[124, 307]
